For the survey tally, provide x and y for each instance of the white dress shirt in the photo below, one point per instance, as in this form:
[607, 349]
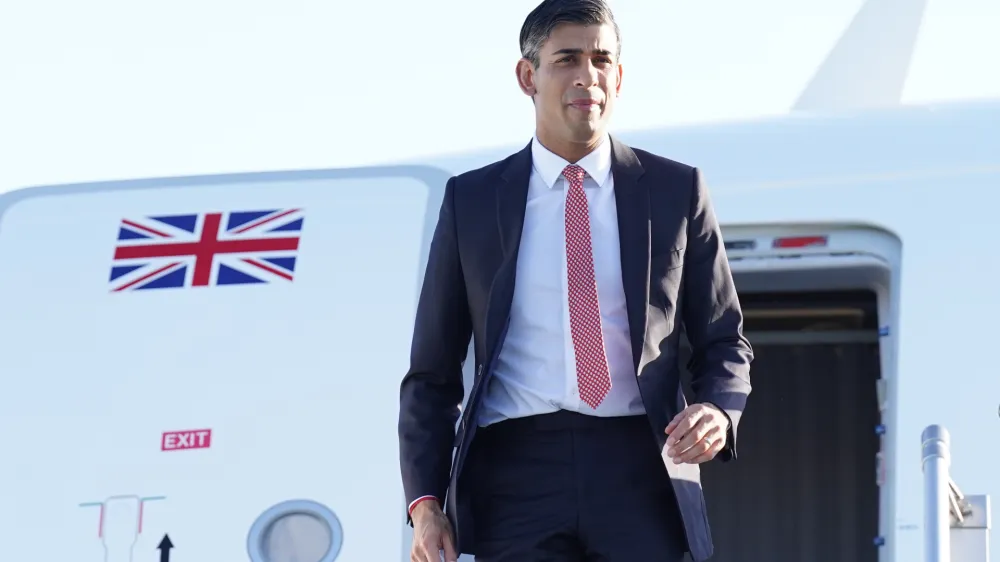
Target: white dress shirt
[535, 372]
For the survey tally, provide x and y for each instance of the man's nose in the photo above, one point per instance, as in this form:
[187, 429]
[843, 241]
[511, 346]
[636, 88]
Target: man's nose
[587, 75]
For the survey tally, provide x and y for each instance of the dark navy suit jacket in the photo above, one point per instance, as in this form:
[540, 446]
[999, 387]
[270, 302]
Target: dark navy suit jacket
[676, 278]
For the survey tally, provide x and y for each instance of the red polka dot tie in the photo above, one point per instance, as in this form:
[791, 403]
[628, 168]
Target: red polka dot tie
[592, 373]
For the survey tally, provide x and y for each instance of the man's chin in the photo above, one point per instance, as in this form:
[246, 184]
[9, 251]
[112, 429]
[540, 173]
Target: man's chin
[587, 131]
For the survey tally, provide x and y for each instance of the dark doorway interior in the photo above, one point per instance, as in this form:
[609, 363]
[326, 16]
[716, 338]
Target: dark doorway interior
[804, 487]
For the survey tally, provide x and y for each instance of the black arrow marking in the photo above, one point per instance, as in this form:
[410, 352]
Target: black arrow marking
[164, 548]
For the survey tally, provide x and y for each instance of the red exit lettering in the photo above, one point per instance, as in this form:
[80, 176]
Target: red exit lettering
[181, 440]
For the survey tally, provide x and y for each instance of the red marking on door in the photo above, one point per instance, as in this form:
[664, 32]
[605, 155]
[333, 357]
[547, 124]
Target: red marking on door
[182, 440]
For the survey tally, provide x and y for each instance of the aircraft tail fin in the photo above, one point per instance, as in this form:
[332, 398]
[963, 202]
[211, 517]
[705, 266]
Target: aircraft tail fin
[869, 64]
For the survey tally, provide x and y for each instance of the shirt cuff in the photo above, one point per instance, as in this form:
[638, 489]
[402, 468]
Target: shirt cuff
[409, 510]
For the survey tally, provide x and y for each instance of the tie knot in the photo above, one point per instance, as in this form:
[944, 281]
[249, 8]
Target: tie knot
[574, 173]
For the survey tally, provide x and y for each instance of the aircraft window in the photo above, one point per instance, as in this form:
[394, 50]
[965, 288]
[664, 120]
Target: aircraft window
[296, 531]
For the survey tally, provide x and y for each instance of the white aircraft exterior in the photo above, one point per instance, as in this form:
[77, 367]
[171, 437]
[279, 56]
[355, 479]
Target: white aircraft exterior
[189, 381]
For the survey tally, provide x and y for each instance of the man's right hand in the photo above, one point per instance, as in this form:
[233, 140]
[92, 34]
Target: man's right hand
[431, 534]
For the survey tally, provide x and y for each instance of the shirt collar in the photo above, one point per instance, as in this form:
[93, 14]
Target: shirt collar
[549, 165]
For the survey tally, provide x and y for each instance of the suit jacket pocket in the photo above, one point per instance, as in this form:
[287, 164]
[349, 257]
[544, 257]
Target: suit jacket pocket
[665, 261]
[665, 272]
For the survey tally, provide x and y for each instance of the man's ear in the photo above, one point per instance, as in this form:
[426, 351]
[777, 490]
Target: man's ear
[618, 86]
[526, 77]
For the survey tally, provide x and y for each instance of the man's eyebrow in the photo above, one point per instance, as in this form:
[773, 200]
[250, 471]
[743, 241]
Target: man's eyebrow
[580, 52]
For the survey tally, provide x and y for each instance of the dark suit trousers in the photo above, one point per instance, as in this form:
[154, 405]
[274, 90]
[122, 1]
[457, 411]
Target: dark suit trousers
[568, 487]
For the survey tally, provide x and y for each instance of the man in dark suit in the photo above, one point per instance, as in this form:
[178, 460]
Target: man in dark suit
[575, 263]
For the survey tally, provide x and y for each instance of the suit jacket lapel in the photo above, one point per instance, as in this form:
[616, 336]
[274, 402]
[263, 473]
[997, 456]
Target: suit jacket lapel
[512, 198]
[632, 202]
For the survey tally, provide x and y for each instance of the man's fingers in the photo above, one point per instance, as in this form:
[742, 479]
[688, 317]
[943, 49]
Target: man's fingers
[428, 547]
[683, 425]
[701, 431]
[430, 541]
[680, 416]
[450, 553]
[713, 449]
[684, 438]
[699, 441]
[686, 412]
[428, 554]
[701, 447]
[693, 436]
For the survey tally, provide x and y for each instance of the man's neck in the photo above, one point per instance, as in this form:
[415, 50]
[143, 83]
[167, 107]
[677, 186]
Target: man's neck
[570, 151]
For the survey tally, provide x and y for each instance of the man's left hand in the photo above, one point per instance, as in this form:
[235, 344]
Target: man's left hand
[697, 434]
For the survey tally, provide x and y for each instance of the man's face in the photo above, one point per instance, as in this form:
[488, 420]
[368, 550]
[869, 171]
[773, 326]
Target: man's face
[576, 83]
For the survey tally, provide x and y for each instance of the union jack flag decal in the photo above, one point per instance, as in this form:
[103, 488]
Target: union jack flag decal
[197, 250]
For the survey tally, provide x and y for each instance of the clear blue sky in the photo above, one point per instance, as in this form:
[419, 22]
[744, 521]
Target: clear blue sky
[110, 89]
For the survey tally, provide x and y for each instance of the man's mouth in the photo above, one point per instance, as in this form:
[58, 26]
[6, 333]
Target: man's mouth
[585, 104]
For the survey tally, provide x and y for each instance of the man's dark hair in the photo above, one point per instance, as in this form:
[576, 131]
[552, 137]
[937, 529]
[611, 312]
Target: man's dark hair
[551, 13]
